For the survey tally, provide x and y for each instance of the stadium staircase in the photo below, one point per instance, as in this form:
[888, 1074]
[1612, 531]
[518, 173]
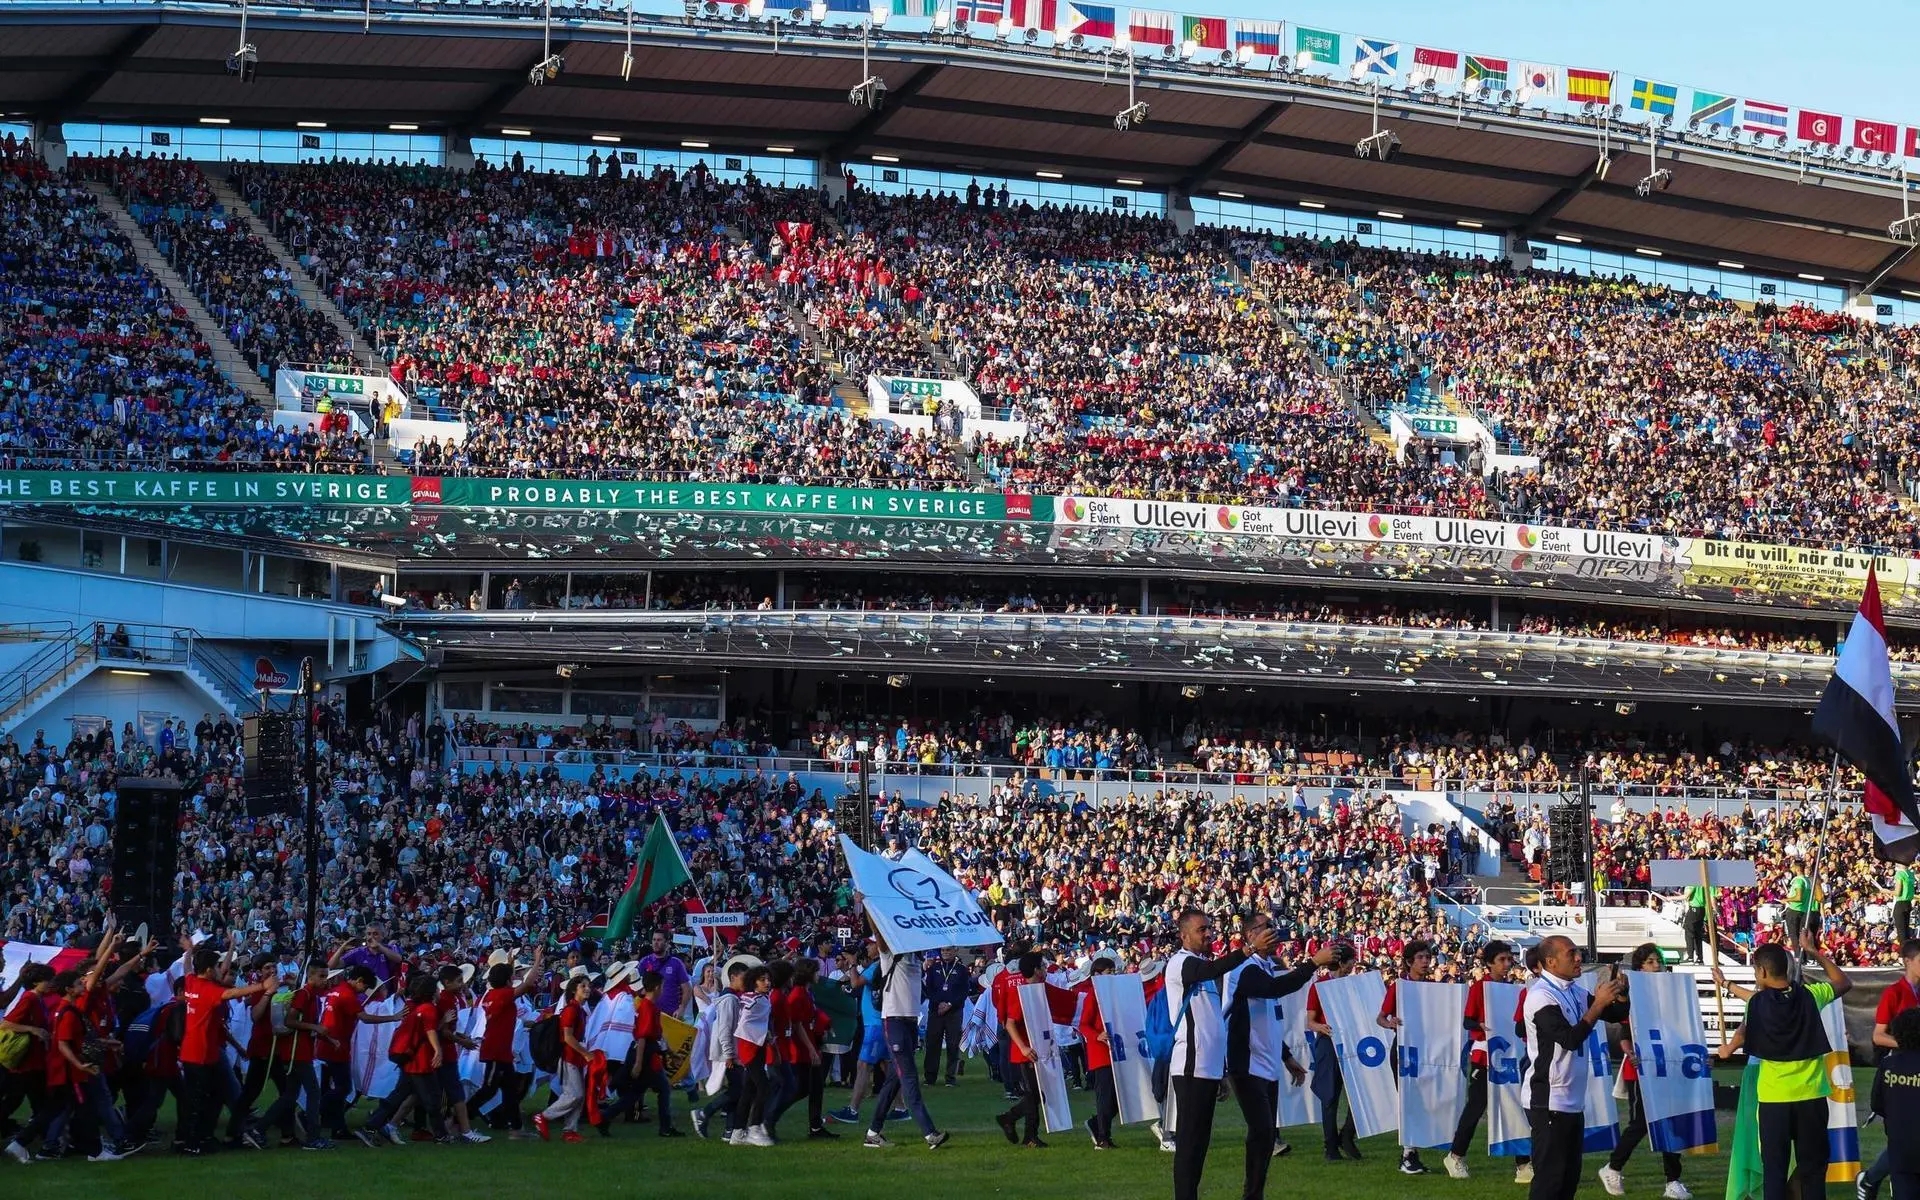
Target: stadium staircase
[365, 357]
[227, 358]
[844, 387]
[67, 654]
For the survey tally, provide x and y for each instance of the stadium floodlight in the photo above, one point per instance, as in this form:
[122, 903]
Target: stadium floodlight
[244, 62]
[1189, 48]
[756, 9]
[1381, 143]
[1135, 113]
[1244, 54]
[870, 92]
[1303, 60]
[1659, 181]
[942, 20]
[549, 67]
[1003, 28]
[880, 14]
[1170, 52]
[1031, 36]
[1601, 168]
[819, 11]
[710, 9]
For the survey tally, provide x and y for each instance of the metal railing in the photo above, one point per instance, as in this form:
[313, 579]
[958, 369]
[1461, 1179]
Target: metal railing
[45, 666]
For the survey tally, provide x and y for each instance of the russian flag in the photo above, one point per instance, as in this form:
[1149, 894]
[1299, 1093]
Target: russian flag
[1257, 37]
[1087, 20]
[1856, 718]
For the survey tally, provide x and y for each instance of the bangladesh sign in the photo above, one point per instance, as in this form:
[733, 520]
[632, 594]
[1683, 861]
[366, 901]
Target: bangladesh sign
[239, 488]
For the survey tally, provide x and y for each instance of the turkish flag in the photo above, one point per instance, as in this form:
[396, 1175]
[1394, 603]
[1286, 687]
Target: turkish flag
[1819, 127]
[1874, 135]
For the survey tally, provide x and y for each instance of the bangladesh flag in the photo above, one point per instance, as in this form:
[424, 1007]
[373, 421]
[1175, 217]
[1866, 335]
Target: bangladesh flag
[657, 871]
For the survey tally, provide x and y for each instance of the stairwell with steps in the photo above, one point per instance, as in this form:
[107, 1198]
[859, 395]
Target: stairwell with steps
[227, 358]
[365, 357]
[849, 392]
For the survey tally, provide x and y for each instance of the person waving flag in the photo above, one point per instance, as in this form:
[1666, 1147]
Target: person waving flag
[1856, 718]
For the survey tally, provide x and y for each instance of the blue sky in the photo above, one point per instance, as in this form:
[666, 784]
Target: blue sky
[1848, 58]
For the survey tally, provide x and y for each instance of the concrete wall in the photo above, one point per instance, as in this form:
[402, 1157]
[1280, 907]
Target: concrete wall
[43, 594]
[119, 699]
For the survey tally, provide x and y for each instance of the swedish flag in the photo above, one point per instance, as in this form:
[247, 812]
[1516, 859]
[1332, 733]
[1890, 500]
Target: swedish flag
[1660, 98]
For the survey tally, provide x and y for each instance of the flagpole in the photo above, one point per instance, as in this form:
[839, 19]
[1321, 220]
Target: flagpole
[1820, 855]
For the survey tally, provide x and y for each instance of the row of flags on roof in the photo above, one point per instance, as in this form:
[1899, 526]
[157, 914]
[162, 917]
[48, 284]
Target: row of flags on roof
[1266, 45]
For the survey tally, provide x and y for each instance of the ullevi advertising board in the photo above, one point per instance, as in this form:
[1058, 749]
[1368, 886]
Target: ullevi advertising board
[1335, 526]
[180, 488]
[629, 496]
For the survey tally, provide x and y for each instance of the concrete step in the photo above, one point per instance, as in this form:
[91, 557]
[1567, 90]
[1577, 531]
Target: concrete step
[364, 355]
[226, 356]
[853, 398]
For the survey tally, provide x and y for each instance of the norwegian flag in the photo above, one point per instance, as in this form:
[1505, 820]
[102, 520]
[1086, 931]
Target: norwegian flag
[979, 12]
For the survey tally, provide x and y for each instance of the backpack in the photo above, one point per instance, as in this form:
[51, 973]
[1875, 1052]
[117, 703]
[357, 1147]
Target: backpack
[14, 1046]
[544, 1043]
[176, 1021]
[139, 1039]
[1159, 1028]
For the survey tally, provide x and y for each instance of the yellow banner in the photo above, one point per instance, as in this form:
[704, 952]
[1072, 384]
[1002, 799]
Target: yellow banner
[1798, 573]
[678, 1035]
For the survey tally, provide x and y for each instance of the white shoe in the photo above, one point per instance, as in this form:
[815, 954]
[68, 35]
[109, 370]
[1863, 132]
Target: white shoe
[18, 1153]
[1613, 1181]
[1523, 1174]
[1677, 1191]
[107, 1154]
[1456, 1167]
[475, 1136]
[758, 1136]
[737, 1138]
[1159, 1134]
[1167, 1145]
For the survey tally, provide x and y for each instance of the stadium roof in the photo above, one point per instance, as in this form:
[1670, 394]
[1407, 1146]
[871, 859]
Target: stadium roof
[958, 104]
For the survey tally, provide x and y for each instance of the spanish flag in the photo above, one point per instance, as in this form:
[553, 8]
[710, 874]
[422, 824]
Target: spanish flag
[1584, 85]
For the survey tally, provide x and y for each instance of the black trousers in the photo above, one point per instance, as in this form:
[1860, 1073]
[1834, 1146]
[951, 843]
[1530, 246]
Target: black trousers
[1694, 925]
[500, 1080]
[202, 1089]
[1027, 1108]
[943, 1032]
[750, 1108]
[1258, 1099]
[1332, 1130]
[1902, 921]
[425, 1091]
[1636, 1132]
[336, 1081]
[1106, 1103]
[1794, 1135]
[1558, 1144]
[1193, 1101]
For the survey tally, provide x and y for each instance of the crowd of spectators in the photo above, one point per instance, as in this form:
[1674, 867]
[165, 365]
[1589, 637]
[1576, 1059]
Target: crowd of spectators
[447, 855]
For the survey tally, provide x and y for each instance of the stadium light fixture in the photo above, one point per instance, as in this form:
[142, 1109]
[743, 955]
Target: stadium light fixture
[871, 92]
[1813, 278]
[1568, 238]
[1049, 174]
[1311, 204]
[1391, 216]
[1907, 228]
[404, 127]
[1649, 252]
[309, 124]
[1658, 178]
[885, 158]
[756, 9]
[880, 15]
[626, 59]
[1470, 224]
[1732, 266]
[550, 65]
[245, 59]
[607, 138]
[779, 149]
[1244, 55]
[1910, 294]
[1381, 143]
[216, 120]
[1132, 182]
[942, 20]
[695, 146]
[516, 133]
[1234, 195]
[819, 11]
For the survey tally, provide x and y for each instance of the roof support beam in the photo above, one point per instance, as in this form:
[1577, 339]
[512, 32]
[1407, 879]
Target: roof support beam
[88, 86]
[1559, 200]
[1229, 150]
[1887, 264]
[1423, 162]
[897, 98]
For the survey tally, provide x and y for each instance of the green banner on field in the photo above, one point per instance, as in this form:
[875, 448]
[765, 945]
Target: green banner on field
[625, 496]
[238, 488]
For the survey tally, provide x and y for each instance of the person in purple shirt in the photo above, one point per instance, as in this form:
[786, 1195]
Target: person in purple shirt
[373, 953]
[676, 986]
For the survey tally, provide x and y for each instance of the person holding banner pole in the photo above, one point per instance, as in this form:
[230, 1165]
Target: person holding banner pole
[1021, 1123]
[1416, 965]
[1328, 1087]
[1093, 1032]
[1558, 1017]
[901, 986]
[1200, 1039]
[1256, 1051]
[1644, 958]
[1496, 963]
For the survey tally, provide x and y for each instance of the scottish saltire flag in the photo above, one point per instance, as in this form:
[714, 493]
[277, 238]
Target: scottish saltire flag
[1676, 1073]
[1710, 109]
[1660, 99]
[1856, 718]
[1757, 116]
[1371, 56]
[1351, 1006]
[1509, 1134]
[1316, 45]
[1087, 20]
[1257, 37]
[1433, 1089]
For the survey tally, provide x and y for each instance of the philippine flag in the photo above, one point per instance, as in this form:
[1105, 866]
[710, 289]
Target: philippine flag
[1087, 20]
[1856, 718]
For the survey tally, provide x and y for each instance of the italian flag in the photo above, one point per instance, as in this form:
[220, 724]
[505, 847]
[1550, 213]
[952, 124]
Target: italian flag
[657, 871]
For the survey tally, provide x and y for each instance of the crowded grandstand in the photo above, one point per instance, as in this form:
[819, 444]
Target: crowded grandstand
[524, 567]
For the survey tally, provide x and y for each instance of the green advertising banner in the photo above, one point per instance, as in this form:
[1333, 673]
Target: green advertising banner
[238, 488]
[633, 496]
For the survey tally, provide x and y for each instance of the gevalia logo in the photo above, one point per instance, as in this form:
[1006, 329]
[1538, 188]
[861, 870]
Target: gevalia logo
[426, 489]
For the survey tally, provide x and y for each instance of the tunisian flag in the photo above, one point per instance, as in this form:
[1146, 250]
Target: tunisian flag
[1856, 718]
